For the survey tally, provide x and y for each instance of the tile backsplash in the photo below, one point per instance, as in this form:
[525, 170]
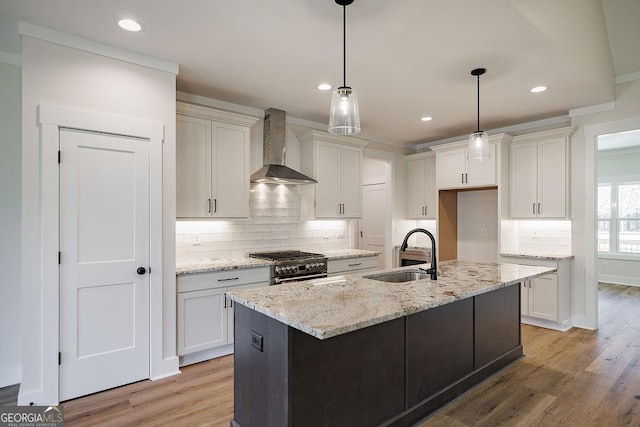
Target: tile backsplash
[537, 237]
[274, 224]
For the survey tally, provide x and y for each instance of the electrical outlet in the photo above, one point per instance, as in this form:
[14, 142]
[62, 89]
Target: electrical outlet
[605, 265]
[196, 240]
[256, 341]
[483, 231]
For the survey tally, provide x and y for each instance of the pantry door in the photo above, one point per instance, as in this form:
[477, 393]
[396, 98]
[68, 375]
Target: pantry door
[104, 261]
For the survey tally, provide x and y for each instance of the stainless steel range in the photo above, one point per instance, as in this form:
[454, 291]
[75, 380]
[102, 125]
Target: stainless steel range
[293, 266]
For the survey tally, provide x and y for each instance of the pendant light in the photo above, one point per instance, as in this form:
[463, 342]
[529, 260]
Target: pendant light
[478, 140]
[344, 117]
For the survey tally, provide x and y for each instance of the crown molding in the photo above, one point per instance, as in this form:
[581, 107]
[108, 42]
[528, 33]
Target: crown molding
[317, 135]
[211, 114]
[592, 109]
[86, 45]
[628, 77]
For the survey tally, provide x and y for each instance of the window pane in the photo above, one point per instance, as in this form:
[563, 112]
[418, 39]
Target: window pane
[629, 201]
[603, 235]
[604, 201]
[629, 236]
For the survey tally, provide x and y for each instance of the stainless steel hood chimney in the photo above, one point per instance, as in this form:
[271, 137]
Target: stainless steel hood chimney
[274, 171]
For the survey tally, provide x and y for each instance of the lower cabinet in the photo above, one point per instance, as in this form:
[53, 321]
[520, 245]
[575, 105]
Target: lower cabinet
[339, 267]
[205, 314]
[546, 300]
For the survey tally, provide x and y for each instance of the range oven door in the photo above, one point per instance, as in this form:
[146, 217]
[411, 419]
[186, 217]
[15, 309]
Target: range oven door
[279, 280]
[414, 256]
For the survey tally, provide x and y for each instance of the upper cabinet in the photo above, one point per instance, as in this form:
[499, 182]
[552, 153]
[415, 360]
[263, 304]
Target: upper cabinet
[336, 163]
[540, 174]
[212, 163]
[454, 171]
[421, 184]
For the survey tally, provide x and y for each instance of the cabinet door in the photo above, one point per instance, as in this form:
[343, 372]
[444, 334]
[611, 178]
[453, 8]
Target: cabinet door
[524, 298]
[484, 172]
[193, 167]
[543, 297]
[431, 206]
[351, 181]
[524, 174]
[328, 176]
[552, 181]
[229, 175]
[230, 304]
[202, 320]
[417, 188]
[451, 168]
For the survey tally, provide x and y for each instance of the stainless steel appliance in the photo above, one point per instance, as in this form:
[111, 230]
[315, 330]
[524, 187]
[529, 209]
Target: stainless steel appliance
[413, 256]
[293, 266]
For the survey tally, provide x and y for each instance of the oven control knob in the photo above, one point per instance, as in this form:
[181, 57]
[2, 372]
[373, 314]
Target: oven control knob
[308, 266]
[278, 269]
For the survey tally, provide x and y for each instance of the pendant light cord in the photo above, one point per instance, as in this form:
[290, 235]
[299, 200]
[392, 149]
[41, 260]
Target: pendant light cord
[478, 76]
[344, 45]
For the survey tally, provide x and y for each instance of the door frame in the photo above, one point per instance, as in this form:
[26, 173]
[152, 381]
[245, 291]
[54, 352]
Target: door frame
[50, 119]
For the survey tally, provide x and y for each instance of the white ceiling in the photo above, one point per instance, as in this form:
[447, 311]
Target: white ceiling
[406, 59]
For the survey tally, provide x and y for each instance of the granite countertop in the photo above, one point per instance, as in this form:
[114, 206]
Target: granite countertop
[349, 253]
[207, 266]
[325, 308]
[549, 257]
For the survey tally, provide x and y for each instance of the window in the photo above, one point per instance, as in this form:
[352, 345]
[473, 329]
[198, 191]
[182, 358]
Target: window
[619, 218]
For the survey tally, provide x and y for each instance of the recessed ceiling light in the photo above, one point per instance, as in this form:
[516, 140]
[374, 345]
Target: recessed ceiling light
[129, 25]
[426, 119]
[324, 86]
[538, 89]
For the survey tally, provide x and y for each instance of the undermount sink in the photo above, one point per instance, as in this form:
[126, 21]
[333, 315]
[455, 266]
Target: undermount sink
[399, 276]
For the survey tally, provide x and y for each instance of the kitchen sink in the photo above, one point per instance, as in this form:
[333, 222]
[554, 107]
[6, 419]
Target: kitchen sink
[399, 276]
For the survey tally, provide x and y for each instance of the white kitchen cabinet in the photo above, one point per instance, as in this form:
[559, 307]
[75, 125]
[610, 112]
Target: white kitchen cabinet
[336, 163]
[540, 174]
[205, 313]
[546, 300]
[342, 266]
[212, 163]
[421, 185]
[454, 171]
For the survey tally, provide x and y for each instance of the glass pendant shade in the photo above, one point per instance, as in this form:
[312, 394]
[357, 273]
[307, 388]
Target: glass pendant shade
[478, 146]
[344, 117]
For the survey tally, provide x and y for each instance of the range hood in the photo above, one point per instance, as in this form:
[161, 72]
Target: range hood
[274, 171]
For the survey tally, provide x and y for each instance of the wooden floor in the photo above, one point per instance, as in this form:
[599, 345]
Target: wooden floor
[575, 378]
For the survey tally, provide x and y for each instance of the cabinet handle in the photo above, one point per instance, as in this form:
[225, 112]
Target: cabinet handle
[355, 265]
[466, 178]
[229, 279]
[538, 208]
[534, 208]
[209, 205]
[462, 178]
[215, 205]
[426, 210]
[230, 303]
[224, 301]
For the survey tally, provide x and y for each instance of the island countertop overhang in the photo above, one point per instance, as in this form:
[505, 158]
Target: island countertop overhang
[336, 306]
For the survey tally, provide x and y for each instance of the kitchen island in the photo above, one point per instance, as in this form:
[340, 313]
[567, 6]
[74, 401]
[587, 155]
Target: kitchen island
[354, 350]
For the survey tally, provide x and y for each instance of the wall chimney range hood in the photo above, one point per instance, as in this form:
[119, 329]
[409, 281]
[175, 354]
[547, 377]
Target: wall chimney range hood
[274, 170]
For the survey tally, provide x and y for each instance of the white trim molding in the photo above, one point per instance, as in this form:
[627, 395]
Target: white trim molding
[608, 106]
[628, 77]
[10, 375]
[10, 58]
[50, 119]
[68, 40]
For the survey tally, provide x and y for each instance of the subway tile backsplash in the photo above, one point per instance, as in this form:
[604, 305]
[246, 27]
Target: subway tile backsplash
[544, 237]
[274, 224]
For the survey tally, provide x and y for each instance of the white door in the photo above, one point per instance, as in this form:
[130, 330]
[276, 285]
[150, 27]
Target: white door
[230, 181]
[193, 167]
[484, 172]
[524, 180]
[372, 225]
[543, 297]
[552, 180]
[417, 186]
[451, 168]
[203, 316]
[328, 176]
[104, 240]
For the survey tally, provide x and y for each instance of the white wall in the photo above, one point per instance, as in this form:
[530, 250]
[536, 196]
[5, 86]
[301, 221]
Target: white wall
[478, 225]
[63, 76]
[583, 179]
[10, 147]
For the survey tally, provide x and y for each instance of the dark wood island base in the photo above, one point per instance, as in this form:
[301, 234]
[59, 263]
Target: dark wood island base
[390, 374]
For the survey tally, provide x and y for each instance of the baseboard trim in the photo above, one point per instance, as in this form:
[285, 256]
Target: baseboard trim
[542, 323]
[619, 280]
[10, 375]
[582, 322]
[169, 368]
[201, 356]
[33, 397]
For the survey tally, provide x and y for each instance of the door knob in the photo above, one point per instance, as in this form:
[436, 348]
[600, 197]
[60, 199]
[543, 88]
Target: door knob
[141, 270]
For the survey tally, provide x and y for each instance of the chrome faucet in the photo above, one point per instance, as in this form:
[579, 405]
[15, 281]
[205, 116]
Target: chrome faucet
[433, 271]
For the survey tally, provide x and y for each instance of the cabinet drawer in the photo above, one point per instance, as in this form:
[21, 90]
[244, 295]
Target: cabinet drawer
[352, 265]
[223, 279]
